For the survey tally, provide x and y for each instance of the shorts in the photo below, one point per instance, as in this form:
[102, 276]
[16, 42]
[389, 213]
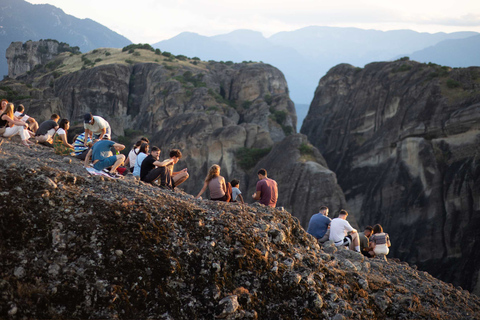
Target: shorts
[105, 163]
[345, 242]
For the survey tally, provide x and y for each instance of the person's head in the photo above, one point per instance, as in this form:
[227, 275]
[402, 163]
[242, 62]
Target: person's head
[106, 137]
[4, 103]
[9, 110]
[55, 117]
[88, 118]
[20, 108]
[176, 155]
[213, 172]
[343, 214]
[137, 144]
[64, 124]
[235, 183]
[144, 148]
[368, 231]
[262, 174]
[145, 139]
[324, 210]
[155, 152]
[377, 228]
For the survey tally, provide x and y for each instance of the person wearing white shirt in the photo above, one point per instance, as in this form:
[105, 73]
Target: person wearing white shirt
[96, 127]
[339, 232]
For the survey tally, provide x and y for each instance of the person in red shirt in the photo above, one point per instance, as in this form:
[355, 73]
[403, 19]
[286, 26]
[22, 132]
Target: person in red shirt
[266, 191]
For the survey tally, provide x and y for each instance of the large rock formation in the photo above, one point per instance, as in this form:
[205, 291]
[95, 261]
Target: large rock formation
[73, 246]
[24, 57]
[404, 141]
[213, 112]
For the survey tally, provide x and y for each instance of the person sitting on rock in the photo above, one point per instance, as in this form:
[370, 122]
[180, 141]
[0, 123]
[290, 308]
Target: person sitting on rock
[20, 114]
[170, 179]
[96, 127]
[216, 185]
[3, 105]
[142, 154]
[60, 143]
[132, 155]
[339, 232]
[47, 129]
[152, 169]
[236, 193]
[12, 126]
[81, 149]
[379, 241]
[266, 189]
[364, 242]
[102, 156]
[319, 225]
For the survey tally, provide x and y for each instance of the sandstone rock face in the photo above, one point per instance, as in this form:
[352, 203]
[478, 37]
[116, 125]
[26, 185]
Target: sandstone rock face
[404, 141]
[23, 57]
[94, 247]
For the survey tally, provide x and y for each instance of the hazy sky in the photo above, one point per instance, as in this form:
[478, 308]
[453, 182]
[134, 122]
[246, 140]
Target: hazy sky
[150, 21]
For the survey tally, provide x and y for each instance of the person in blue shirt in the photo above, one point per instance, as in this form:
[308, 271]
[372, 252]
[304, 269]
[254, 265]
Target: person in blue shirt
[142, 154]
[319, 225]
[102, 156]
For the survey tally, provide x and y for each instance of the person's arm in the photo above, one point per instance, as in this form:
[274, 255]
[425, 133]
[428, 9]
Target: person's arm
[224, 185]
[241, 198]
[87, 158]
[87, 134]
[127, 162]
[118, 146]
[178, 172]
[388, 240]
[64, 140]
[163, 163]
[257, 195]
[14, 121]
[205, 185]
[104, 130]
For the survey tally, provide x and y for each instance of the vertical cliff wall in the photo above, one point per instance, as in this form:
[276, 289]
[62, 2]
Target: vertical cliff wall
[404, 141]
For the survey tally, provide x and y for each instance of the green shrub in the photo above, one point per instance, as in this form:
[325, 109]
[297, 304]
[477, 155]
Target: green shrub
[136, 54]
[131, 50]
[108, 54]
[181, 57]
[249, 157]
[98, 60]
[94, 51]
[402, 68]
[278, 116]
[166, 54]
[129, 61]
[403, 59]
[288, 130]
[145, 46]
[196, 58]
[158, 52]
[306, 149]
[452, 84]
[247, 104]
[268, 99]
[229, 63]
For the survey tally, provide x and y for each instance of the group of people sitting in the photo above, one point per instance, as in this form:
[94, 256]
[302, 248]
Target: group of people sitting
[95, 146]
[373, 242]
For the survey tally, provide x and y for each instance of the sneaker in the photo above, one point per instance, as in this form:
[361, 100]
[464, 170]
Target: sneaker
[115, 175]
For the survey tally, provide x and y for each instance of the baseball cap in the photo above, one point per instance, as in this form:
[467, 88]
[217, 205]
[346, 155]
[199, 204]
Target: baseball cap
[87, 117]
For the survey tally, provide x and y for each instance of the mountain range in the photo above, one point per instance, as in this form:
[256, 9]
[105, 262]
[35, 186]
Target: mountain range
[305, 55]
[22, 21]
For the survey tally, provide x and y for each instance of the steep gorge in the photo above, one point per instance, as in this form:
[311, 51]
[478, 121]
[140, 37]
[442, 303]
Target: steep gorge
[404, 141]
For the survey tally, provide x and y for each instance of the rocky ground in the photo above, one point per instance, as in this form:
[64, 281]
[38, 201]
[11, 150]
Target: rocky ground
[76, 246]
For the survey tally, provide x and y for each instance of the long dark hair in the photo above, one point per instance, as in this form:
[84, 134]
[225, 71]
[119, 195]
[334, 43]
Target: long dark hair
[63, 123]
[143, 148]
[377, 228]
[136, 145]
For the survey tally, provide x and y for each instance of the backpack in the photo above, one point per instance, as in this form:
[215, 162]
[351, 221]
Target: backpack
[229, 192]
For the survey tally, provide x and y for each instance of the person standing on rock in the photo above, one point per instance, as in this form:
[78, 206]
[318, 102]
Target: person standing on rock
[379, 241]
[266, 190]
[102, 157]
[339, 229]
[96, 128]
[319, 225]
